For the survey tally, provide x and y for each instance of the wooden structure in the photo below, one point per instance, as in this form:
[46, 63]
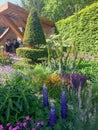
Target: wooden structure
[13, 17]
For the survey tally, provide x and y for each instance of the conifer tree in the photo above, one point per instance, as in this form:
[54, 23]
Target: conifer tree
[34, 34]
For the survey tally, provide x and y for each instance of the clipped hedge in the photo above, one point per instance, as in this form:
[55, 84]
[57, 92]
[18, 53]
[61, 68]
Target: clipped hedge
[82, 28]
[33, 54]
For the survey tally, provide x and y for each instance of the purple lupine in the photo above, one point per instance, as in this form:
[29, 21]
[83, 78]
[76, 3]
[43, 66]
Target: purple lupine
[52, 119]
[75, 78]
[63, 106]
[78, 80]
[83, 80]
[45, 97]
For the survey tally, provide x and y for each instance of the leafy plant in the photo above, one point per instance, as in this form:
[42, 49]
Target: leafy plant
[16, 97]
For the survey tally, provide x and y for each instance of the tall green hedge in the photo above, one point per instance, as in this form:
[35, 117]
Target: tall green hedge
[82, 29]
[34, 34]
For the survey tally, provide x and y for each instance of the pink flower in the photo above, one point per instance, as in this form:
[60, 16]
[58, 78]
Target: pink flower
[19, 123]
[38, 123]
[8, 124]
[42, 123]
[16, 128]
[24, 124]
[10, 128]
[33, 129]
[28, 118]
[1, 127]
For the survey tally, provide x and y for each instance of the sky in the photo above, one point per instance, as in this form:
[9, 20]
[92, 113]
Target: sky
[12, 1]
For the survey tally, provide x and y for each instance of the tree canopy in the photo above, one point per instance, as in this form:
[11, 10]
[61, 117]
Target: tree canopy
[56, 9]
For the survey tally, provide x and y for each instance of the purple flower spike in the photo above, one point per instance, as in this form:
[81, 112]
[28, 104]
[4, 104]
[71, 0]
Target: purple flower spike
[45, 97]
[75, 80]
[83, 80]
[63, 106]
[52, 119]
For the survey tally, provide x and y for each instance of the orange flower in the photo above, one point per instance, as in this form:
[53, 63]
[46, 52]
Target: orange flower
[53, 80]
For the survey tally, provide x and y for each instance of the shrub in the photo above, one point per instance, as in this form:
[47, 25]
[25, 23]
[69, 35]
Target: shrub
[33, 54]
[22, 63]
[81, 28]
[34, 34]
[39, 74]
[17, 98]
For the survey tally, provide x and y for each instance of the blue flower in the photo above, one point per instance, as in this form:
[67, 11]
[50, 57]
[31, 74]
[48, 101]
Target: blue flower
[52, 119]
[63, 106]
[45, 97]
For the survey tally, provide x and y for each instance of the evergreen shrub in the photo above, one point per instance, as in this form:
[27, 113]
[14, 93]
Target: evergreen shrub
[34, 34]
[33, 54]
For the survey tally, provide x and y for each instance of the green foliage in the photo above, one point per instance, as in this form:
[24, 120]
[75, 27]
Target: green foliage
[28, 4]
[33, 54]
[22, 63]
[5, 60]
[62, 57]
[63, 8]
[90, 69]
[56, 9]
[17, 100]
[34, 34]
[81, 29]
[16, 97]
[80, 102]
[39, 74]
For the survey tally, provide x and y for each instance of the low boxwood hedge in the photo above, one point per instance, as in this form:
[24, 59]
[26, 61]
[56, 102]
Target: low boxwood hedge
[30, 53]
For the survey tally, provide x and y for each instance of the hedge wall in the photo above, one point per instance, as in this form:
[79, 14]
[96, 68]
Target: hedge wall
[82, 28]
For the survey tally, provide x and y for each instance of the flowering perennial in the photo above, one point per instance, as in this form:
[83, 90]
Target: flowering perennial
[45, 97]
[63, 106]
[52, 119]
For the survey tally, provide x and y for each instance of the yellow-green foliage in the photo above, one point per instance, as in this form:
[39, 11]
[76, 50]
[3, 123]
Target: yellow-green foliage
[82, 28]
